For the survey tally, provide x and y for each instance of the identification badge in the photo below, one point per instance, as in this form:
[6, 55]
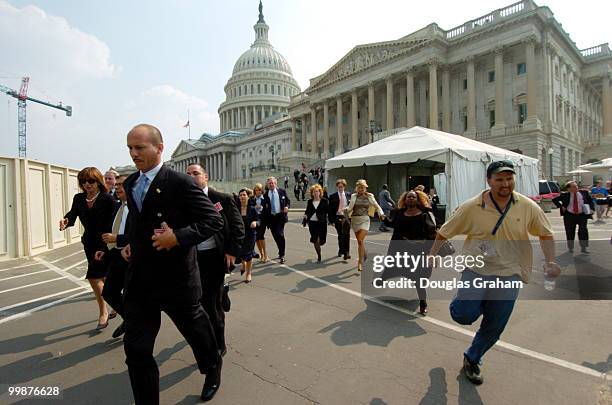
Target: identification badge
[218, 207]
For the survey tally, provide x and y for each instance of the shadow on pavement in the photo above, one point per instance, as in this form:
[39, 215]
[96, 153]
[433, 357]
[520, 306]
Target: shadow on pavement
[604, 366]
[376, 326]
[437, 390]
[468, 394]
[338, 278]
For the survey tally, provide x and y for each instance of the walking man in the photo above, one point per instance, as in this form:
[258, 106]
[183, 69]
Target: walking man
[338, 201]
[277, 206]
[386, 203]
[497, 223]
[217, 254]
[169, 216]
[572, 206]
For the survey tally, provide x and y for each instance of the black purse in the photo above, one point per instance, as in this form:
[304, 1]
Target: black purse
[446, 249]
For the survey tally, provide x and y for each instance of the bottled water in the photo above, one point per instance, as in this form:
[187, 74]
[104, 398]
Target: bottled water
[549, 282]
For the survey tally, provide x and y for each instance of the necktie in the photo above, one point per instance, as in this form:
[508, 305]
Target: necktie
[139, 190]
[117, 224]
[342, 203]
[273, 201]
[575, 203]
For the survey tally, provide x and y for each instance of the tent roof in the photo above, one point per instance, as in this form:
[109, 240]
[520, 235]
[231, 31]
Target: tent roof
[602, 164]
[422, 143]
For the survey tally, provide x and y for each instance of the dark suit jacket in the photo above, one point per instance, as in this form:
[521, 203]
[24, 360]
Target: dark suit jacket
[233, 230]
[172, 276]
[563, 200]
[96, 220]
[284, 202]
[321, 210]
[334, 203]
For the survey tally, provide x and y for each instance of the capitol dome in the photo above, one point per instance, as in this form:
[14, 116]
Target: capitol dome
[261, 84]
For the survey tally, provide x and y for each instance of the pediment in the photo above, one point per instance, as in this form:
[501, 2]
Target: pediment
[363, 57]
[182, 148]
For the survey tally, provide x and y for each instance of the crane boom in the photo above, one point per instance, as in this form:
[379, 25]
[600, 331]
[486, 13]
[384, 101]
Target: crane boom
[22, 97]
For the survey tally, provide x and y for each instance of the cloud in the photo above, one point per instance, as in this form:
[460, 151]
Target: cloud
[41, 45]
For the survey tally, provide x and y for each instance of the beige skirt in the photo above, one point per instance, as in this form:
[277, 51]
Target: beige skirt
[361, 222]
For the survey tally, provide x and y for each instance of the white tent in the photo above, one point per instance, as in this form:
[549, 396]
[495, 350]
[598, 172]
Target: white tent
[460, 163]
[602, 166]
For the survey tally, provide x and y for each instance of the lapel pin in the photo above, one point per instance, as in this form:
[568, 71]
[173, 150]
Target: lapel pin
[159, 214]
[158, 190]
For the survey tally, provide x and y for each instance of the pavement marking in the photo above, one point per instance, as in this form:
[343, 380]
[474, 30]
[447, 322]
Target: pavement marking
[19, 304]
[527, 352]
[31, 285]
[24, 275]
[509, 346]
[64, 272]
[34, 264]
[65, 257]
[41, 307]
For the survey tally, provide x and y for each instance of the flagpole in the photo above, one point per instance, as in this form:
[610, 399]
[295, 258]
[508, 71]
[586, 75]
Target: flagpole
[189, 122]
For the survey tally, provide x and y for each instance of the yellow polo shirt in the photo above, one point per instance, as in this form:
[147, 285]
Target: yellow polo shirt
[511, 251]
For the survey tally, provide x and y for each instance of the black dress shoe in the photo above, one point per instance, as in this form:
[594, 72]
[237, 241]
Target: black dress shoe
[223, 351]
[212, 382]
[282, 260]
[119, 331]
[346, 256]
[225, 300]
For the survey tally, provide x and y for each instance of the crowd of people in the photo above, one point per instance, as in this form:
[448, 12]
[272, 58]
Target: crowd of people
[158, 240]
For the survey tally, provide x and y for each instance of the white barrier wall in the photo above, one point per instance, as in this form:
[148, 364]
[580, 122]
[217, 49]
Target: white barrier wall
[34, 196]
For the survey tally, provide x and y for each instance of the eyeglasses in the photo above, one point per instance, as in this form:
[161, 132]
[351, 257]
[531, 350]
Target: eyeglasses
[89, 181]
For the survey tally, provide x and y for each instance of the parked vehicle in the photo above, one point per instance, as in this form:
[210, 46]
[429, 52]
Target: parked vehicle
[548, 189]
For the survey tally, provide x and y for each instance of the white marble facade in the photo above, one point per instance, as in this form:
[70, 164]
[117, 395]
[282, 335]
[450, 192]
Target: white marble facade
[512, 78]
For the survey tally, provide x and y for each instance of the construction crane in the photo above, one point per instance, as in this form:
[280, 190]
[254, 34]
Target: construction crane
[22, 97]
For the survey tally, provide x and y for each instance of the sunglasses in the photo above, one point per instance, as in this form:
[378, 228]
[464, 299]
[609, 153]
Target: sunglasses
[89, 181]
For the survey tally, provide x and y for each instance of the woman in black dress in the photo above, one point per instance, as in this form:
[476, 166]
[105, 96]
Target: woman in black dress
[316, 217]
[94, 207]
[250, 220]
[411, 222]
[259, 202]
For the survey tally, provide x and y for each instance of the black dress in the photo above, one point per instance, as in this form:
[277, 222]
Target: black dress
[96, 220]
[318, 228]
[261, 227]
[413, 235]
[248, 245]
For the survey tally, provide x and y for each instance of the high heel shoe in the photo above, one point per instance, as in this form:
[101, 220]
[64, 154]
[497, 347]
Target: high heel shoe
[359, 268]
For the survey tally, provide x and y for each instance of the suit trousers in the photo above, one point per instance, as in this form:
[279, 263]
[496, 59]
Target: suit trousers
[212, 274]
[115, 280]
[277, 227]
[142, 323]
[570, 221]
[343, 229]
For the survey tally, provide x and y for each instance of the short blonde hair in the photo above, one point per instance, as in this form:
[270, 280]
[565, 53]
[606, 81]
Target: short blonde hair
[420, 187]
[341, 181]
[316, 187]
[257, 186]
[359, 183]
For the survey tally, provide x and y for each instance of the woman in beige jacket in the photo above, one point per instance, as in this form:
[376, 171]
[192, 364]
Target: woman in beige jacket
[360, 209]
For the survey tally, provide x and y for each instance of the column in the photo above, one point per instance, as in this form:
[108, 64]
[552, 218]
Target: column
[423, 102]
[402, 107]
[607, 105]
[471, 107]
[446, 121]
[532, 114]
[433, 94]
[410, 115]
[248, 117]
[389, 81]
[314, 148]
[354, 120]
[293, 137]
[371, 105]
[500, 120]
[325, 129]
[339, 146]
[223, 167]
[304, 134]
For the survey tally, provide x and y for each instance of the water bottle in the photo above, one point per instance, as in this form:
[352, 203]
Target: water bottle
[549, 282]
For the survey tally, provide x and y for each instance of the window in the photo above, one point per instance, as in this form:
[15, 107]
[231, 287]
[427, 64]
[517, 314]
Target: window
[491, 76]
[265, 89]
[245, 89]
[521, 69]
[285, 91]
[464, 84]
[250, 154]
[252, 87]
[557, 71]
[259, 89]
[278, 90]
[272, 89]
[240, 91]
[491, 118]
[465, 122]
[522, 112]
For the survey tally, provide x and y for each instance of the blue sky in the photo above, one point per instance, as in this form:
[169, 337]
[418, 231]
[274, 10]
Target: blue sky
[119, 63]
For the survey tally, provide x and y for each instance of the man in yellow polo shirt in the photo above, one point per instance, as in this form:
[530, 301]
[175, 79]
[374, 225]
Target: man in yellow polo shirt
[497, 223]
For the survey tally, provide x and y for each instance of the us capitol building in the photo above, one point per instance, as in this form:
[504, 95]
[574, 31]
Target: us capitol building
[512, 78]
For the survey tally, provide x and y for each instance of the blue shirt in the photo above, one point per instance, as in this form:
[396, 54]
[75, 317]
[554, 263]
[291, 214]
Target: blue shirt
[599, 190]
